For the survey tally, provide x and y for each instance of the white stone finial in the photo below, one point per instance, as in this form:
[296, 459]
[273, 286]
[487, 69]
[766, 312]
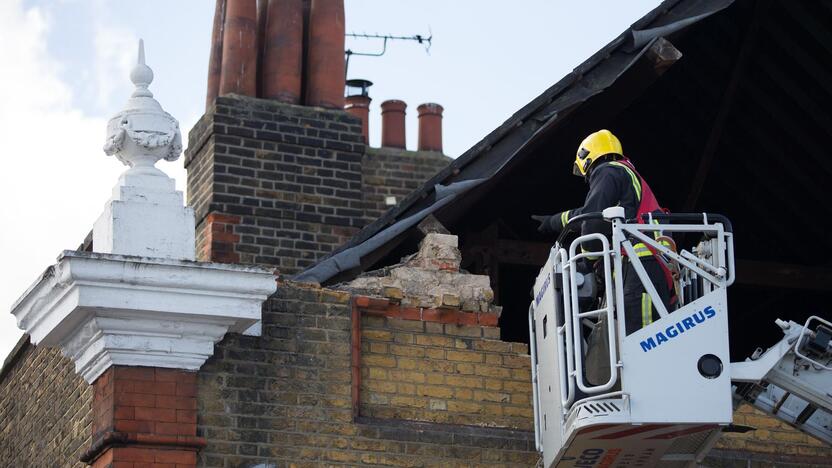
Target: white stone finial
[141, 75]
[143, 132]
[145, 216]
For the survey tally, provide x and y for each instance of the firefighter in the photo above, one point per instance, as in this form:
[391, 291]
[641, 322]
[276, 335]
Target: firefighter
[614, 181]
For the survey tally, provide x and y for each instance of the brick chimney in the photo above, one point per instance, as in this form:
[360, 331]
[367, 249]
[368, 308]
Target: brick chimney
[283, 177]
[358, 104]
[283, 51]
[430, 127]
[392, 124]
[325, 66]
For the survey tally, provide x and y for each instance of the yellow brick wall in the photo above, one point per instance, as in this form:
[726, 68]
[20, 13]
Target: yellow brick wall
[443, 373]
[771, 437]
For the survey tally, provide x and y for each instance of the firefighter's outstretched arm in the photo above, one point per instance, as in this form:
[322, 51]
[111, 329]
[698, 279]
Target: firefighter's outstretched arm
[604, 189]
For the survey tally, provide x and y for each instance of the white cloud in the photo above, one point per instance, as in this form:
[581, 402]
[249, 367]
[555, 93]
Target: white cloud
[55, 177]
[115, 55]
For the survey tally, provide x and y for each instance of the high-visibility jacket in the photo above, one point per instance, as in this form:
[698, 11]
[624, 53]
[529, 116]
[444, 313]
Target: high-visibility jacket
[612, 183]
[617, 183]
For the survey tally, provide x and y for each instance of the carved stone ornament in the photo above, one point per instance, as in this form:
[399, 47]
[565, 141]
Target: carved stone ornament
[143, 132]
[139, 299]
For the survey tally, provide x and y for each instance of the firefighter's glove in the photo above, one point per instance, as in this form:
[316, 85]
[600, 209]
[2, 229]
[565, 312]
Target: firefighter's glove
[548, 224]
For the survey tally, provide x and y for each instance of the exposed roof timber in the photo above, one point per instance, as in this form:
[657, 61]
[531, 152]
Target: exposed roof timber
[809, 64]
[796, 93]
[820, 32]
[740, 65]
[783, 276]
[764, 213]
[796, 205]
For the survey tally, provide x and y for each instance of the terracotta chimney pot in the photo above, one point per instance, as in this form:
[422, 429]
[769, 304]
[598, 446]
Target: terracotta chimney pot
[282, 51]
[239, 48]
[430, 127]
[359, 106]
[392, 124]
[215, 58]
[325, 55]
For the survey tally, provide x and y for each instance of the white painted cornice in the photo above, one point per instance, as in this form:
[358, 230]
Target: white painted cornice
[105, 309]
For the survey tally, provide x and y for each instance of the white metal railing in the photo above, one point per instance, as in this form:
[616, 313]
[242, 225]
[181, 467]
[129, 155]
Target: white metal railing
[710, 267]
[607, 311]
[806, 331]
[563, 333]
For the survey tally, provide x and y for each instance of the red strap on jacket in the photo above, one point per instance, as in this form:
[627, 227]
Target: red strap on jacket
[649, 204]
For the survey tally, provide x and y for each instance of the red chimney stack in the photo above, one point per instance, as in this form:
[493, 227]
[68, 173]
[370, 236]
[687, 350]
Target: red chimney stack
[430, 127]
[392, 124]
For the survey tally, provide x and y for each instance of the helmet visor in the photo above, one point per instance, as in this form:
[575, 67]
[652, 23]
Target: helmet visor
[580, 161]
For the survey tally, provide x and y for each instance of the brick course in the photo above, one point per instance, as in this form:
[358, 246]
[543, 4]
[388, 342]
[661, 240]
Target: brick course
[45, 410]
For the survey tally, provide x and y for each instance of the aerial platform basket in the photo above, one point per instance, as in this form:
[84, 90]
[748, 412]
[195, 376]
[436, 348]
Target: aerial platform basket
[656, 397]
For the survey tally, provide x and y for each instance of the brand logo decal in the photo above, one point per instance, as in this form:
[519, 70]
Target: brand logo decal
[543, 289]
[678, 328]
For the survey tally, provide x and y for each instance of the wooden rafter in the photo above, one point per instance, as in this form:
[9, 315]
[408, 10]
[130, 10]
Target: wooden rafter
[725, 105]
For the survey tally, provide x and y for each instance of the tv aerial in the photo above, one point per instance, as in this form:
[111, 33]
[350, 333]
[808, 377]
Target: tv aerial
[424, 40]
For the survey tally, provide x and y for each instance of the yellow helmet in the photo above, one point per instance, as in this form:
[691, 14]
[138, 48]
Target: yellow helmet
[600, 143]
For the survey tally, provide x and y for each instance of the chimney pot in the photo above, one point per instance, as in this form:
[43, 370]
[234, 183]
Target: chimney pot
[358, 104]
[239, 48]
[283, 50]
[215, 59]
[430, 127]
[392, 124]
[325, 57]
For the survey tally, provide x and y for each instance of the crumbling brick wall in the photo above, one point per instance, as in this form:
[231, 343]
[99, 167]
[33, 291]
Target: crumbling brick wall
[413, 376]
[45, 410]
[286, 397]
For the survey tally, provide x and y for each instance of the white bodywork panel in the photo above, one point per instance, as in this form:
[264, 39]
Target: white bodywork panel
[657, 408]
[663, 381]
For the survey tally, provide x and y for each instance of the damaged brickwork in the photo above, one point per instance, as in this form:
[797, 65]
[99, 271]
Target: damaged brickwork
[429, 278]
[350, 377]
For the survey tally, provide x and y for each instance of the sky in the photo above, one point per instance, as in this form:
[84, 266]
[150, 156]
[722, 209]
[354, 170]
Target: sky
[65, 73]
